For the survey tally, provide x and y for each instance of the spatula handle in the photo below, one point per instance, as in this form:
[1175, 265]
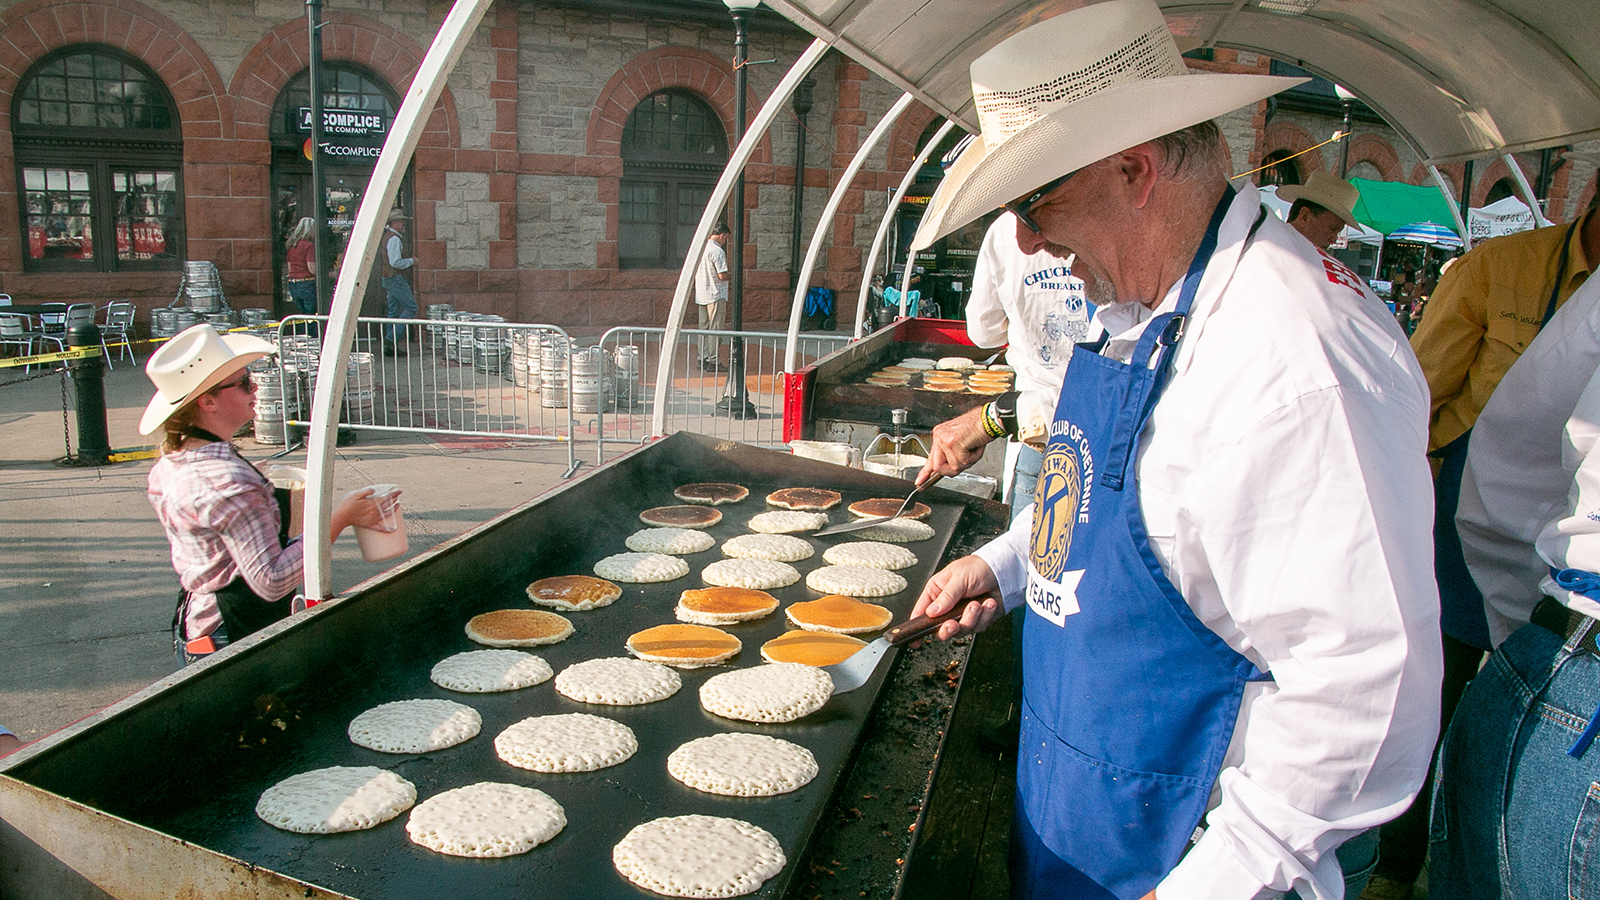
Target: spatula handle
[913, 628]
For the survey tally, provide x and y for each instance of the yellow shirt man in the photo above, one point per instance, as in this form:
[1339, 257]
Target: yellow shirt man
[1486, 310]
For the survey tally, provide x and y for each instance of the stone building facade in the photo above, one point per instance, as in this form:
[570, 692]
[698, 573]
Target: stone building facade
[517, 190]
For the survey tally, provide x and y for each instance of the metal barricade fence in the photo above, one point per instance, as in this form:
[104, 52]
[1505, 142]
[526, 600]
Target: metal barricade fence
[467, 374]
[697, 398]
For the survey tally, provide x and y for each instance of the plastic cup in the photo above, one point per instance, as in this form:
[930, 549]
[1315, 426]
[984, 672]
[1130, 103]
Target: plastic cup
[388, 539]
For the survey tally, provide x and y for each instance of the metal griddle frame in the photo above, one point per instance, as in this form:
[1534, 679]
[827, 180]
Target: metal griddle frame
[154, 796]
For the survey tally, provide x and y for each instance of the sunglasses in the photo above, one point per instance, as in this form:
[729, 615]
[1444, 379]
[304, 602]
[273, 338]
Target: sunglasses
[243, 382]
[1020, 208]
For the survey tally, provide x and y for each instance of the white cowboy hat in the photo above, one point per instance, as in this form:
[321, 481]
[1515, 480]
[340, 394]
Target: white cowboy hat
[1075, 89]
[1330, 192]
[192, 362]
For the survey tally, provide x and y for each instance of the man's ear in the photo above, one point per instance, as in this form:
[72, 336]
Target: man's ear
[1137, 169]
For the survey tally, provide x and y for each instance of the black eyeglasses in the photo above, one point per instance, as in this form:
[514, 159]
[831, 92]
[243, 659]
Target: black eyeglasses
[244, 382]
[1019, 208]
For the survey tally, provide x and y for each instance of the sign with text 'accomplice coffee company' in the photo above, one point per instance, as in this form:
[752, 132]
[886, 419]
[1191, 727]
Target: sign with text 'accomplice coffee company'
[345, 122]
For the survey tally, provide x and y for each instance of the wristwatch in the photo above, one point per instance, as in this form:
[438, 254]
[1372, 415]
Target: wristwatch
[1005, 409]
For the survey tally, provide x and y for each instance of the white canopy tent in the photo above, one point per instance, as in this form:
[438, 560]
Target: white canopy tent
[1507, 216]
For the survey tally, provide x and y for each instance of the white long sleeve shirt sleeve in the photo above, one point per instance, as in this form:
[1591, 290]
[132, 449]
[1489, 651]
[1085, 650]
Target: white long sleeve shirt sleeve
[1520, 466]
[392, 247]
[1283, 482]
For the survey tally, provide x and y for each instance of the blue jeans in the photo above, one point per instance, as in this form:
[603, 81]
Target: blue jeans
[1024, 479]
[304, 295]
[1513, 814]
[400, 302]
[218, 637]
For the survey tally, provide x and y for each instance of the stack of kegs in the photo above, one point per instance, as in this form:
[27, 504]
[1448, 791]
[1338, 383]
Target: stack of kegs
[201, 289]
[625, 376]
[490, 345]
[300, 354]
[185, 319]
[437, 313]
[553, 372]
[268, 377]
[358, 389]
[254, 316]
[222, 320]
[452, 335]
[164, 323]
[586, 365]
[520, 339]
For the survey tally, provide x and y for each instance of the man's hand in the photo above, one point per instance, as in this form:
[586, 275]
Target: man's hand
[967, 577]
[957, 444]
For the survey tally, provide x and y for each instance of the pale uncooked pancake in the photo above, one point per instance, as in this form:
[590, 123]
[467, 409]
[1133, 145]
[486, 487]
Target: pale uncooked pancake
[681, 516]
[786, 522]
[571, 742]
[415, 726]
[724, 605]
[488, 671]
[919, 363]
[742, 765]
[872, 554]
[486, 819]
[698, 856]
[804, 498]
[898, 531]
[340, 798]
[674, 541]
[756, 574]
[811, 648]
[518, 628]
[887, 380]
[957, 363]
[839, 614]
[714, 493]
[617, 681]
[684, 646]
[574, 592]
[780, 547]
[879, 507]
[855, 581]
[641, 568]
[775, 692]
[1002, 367]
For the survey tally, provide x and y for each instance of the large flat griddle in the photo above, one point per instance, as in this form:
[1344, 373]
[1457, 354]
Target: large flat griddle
[190, 759]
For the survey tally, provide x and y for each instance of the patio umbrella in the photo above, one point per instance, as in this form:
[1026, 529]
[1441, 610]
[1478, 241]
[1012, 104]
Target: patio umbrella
[1426, 233]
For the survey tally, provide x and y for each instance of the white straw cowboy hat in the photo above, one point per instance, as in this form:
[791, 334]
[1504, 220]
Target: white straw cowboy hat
[1072, 90]
[1330, 192]
[192, 362]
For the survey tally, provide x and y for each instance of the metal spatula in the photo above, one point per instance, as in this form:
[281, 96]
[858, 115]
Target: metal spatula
[859, 524]
[854, 672]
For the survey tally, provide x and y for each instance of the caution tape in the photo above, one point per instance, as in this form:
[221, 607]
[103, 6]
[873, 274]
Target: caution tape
[38, 358]
[117, 456]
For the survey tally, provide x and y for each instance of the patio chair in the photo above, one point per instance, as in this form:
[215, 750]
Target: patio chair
[83, 314]
[52, 326]
[118, 330]
[15, 332]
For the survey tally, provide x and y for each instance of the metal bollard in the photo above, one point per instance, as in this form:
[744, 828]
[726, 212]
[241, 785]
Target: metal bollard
[94, 446]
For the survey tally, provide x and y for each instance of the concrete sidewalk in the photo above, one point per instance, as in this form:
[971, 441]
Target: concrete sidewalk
[86, 583]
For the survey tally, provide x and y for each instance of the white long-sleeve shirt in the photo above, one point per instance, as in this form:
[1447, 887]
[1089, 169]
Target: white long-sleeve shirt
[394, 250]
[1521, 462]
[1032, 303]
[1283, 482]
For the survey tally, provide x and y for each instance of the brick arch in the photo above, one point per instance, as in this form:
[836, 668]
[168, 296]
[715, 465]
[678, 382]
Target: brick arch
[33, 28]
[281, 54]
[1291, 137]
[1491, 173]
[1375, 149]
[904, 138]
[654, 70]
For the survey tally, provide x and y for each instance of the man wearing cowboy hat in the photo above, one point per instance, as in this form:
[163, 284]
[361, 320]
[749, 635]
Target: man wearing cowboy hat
[1229, 666]
[235, 563]
[400, 302]
[1321, 207]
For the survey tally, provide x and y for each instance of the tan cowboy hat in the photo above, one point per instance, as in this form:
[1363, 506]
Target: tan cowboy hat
[397, 213]
[1075, 89]
[1330, 192]
[192, 362]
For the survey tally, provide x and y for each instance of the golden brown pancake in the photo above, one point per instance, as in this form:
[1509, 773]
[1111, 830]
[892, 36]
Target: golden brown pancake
[898, 370]
[811, 648]
[713, 493]
[886, 506]
[518, 627]
[573, 592]
[681, 516]
[804, 498]
[946, 387]
[838, 613]
[686, 646]
[716, 605]
[981, 387]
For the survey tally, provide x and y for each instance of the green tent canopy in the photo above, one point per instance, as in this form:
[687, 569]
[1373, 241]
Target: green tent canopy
[1389, 205]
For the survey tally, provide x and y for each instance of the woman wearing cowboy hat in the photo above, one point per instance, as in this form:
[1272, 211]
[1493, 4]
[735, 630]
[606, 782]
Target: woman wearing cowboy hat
[236, 566]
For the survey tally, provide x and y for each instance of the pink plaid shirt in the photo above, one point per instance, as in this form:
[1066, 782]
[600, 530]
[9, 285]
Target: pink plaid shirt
[222, 520]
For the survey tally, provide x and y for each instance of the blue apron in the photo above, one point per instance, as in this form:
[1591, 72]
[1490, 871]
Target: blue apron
[1129, 701]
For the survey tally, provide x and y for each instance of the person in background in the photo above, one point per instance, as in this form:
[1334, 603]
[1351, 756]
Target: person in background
[1321, 208]
[236, 566]
[1517, 771]
[1193, 645]
[1487, 308]
[711, 295]
[301, 277]
[400, 302]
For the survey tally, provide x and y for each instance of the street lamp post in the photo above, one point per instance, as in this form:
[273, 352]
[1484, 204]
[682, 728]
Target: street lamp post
[319, 191]
[736, 404]
[1348, 101]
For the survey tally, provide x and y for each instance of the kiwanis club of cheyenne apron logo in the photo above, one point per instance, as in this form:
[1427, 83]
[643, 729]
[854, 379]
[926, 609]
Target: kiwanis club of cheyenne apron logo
[1056, 507]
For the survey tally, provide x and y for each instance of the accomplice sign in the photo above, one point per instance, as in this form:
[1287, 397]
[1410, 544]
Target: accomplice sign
[345, 122]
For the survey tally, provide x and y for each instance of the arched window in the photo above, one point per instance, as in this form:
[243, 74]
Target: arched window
[1500, 190]
[673, 148]
[99, 159]
[1280, 168]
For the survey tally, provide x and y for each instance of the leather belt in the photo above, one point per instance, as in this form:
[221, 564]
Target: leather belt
[1552, 616]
